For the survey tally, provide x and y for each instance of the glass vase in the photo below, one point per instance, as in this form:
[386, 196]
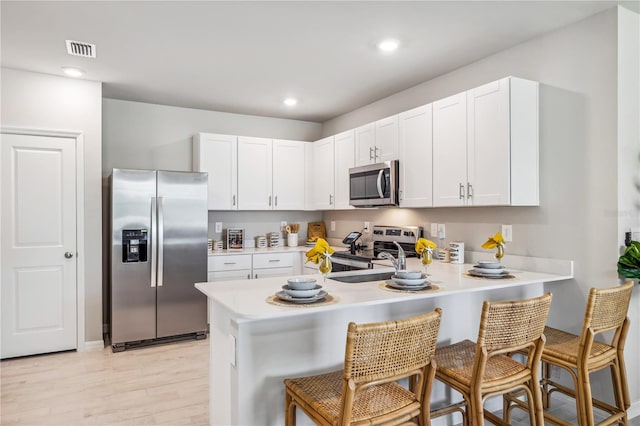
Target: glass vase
[324, 267]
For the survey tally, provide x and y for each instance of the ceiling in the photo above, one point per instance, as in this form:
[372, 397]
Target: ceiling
[246, 57]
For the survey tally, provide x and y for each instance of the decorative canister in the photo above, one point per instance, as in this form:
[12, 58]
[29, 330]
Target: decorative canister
[457, 251]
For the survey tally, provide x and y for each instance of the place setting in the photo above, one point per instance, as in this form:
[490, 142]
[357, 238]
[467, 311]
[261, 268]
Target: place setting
[489, 269]
[412, 281]
[301, 291]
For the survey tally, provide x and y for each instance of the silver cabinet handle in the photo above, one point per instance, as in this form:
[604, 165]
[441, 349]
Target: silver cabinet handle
[461, 191]
[274, 260]
[375, 153]
[330, 199]
[229, 263]
[276, 201]
[256, 276]
[248, 276]
[68, 255]
[469, 190]
[371, 155]
[234, 200]
[160, 241]
[154, 242]
[400, 194]
[269, 200]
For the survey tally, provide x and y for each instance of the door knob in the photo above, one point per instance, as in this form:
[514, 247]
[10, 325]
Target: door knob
[68, 255]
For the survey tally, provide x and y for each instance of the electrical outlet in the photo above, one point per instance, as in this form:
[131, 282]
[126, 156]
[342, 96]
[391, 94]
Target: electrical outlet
[507, 233]
[333, 225]
[366, 227]
[283, 224]
[441, 231]
[434, 230]
[218, 227]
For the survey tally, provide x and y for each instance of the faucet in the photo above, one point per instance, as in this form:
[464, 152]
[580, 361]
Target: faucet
[402, 257]
[401, 263]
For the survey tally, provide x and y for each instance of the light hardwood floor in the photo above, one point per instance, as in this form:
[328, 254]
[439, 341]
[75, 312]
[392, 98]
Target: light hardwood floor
[165, 384]
[156, 385]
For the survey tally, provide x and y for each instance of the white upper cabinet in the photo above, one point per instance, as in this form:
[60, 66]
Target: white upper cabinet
[216, 155]
[415, 152]
[377, 142]
[344, 159]
[309, 200]
[254, 173]
[323, 174]
[485, 146]
[288, 175]
[450, 151]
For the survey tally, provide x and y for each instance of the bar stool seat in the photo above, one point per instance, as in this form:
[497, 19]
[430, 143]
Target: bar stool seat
[483, 369]
[366, 391]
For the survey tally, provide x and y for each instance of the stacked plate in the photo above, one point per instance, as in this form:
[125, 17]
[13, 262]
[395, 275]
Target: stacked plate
[301, 290]
[408, 280]
[488, 269]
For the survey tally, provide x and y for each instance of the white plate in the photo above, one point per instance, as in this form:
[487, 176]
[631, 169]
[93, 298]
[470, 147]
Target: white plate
[487, 271]
[392, 284]
[302, 293]
[488, 264]
[409, 282]
[318, 297]
[476, 273]
[301, 283]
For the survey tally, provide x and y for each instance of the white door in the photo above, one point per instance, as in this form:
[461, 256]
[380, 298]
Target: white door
[288, 175]
[255, 174]
[365, 144]
[38, 244]
[217, 155]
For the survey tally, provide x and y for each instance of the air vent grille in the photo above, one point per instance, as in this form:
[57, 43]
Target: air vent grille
[79, 48]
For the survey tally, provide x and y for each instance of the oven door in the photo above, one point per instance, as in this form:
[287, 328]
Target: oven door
[374, 185]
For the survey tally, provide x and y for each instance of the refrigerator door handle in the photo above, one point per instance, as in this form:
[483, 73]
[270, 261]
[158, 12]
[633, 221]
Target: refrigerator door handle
[154, 235]
[160, 241]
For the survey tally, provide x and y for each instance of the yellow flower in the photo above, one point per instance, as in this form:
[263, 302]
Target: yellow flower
[423, 244]
[494, 241]
[320, 250]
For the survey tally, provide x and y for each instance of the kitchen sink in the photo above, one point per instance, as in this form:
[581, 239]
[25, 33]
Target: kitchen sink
[361, 278]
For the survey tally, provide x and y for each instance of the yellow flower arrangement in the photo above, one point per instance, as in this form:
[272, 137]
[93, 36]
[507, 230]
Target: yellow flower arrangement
[423, 244]
[497, 241]
[321, 250]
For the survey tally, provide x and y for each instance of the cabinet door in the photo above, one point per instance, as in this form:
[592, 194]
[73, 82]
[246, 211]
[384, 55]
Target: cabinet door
[308, 177]
[386, 146]
[323, 174]
[365, 144]
[254, 174]
[288, 175]
[273, 272]
[344, 147]
[240, 274]
[217, 155]
[488, 159]
[450, 151]
[416, 160]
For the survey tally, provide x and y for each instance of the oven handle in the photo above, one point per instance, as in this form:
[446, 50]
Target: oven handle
[380, 174]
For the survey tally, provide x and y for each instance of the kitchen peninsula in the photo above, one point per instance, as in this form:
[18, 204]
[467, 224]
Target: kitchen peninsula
[256, 344]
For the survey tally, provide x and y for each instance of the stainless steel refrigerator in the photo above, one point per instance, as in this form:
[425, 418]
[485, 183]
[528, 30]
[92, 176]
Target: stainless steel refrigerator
[158, 251]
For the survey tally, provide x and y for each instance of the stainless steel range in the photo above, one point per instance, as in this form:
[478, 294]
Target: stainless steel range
[359, 257]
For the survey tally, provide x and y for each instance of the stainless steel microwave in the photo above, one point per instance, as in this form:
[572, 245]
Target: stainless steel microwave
[374, 185]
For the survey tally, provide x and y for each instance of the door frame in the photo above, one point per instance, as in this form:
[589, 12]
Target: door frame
[78, 136]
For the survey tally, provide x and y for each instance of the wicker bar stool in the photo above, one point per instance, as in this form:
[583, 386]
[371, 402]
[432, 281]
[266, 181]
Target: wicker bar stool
[484, 369]
[365, 392]
[580, 355]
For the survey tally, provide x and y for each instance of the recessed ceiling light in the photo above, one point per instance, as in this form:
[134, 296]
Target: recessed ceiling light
[73, 72]
[388, 45]
[290, 102]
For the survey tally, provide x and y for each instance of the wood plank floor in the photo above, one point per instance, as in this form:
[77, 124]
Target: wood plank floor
[165, 384]
[160, 385]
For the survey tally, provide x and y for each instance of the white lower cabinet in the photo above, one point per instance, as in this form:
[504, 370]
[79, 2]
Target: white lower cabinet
[274, 264]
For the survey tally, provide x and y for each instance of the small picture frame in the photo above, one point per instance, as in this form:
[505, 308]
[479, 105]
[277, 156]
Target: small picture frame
[235, 239]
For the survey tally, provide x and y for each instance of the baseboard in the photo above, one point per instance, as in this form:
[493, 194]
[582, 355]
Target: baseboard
[95, 345]
[634, 410]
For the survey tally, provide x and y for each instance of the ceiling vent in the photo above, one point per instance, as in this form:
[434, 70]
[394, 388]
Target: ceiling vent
[79, 48]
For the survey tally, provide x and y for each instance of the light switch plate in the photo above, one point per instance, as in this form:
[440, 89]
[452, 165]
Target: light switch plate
[333, 225]
[441, 231]
[507, 233]
[434, 230]
[366, 227]
[218, 226]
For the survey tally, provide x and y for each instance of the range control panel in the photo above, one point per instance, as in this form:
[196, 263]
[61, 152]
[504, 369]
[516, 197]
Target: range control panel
[401, 234]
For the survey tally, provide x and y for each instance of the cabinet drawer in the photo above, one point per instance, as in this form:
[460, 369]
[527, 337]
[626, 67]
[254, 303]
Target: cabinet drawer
[229, 263]
[273, 260]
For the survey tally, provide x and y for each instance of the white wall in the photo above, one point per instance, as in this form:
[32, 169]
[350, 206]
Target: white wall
[578, 217]
[40, 101]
